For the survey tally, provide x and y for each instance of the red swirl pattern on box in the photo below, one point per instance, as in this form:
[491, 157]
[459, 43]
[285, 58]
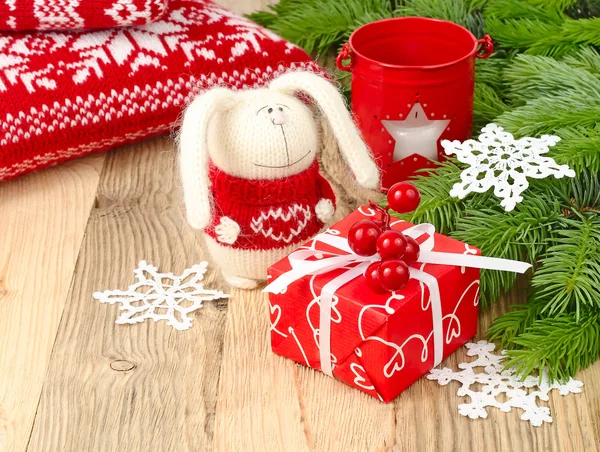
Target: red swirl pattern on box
[380, 343]
[65, 94]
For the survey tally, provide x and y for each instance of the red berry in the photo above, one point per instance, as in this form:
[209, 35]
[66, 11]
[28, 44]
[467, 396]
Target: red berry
[412, 251]
[403, 197]
[391, 244]
[372, 277]
[362, 237]
[393, 274]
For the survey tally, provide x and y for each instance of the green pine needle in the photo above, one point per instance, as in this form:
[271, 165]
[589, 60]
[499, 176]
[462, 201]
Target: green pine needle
[587, 58]
[519, 9]
[579, 148]
[530, 35]
[553, 5]
[541, 36]
[548, 114]
[487, 105]
[569, 276]
[531, 76]
[522, 234]
[508, 326]
[562, 344]
[463, 12]
[583, 194]
[320, 25]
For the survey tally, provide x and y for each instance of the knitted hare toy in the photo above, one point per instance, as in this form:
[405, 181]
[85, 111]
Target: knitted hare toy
[250, 173]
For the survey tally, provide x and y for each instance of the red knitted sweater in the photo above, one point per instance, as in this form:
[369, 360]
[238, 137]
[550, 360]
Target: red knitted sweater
[271, 213]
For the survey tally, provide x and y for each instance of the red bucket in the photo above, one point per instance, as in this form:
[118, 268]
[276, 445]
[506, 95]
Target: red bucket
[412, 86]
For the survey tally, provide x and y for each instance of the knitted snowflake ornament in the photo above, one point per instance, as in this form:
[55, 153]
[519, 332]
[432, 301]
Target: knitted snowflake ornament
[162, 296]
[64, 95]
[499, 161]
[77, 14]
[488, 384]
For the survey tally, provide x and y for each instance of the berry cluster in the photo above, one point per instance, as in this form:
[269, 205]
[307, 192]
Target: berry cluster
[397, 251]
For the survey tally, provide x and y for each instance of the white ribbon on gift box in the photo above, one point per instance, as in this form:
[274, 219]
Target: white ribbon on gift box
[327, 261]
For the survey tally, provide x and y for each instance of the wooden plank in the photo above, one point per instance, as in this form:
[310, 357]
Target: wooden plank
[258, 407]
[132, 387]
[42, 220]
[279, 405]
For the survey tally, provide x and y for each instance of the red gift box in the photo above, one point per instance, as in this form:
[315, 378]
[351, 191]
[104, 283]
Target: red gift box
[378, 343]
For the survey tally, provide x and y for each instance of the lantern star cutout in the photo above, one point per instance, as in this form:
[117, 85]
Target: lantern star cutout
[416, 134]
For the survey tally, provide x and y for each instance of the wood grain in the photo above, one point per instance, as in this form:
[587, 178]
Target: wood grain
[166, 401]
[42, 220]
[217, 386]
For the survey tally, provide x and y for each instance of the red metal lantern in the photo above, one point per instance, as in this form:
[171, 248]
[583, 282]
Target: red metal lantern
[412, 86]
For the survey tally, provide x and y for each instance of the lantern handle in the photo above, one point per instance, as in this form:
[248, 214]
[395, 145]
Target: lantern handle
[344, 54]
[485, 47]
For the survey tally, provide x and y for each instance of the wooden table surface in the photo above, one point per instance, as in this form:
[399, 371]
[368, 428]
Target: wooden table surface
[73, 380]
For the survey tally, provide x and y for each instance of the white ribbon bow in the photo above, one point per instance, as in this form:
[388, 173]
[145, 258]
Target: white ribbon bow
[327, 261]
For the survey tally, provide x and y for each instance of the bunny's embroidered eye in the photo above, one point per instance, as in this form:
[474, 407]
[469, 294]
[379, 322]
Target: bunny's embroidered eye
[280, 109]
[270, 110]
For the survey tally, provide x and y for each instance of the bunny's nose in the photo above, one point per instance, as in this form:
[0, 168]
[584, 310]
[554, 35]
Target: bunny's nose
[277, 116]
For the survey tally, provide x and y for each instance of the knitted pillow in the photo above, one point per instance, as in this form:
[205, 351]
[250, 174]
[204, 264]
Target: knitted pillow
[63, 95]
[77, 14]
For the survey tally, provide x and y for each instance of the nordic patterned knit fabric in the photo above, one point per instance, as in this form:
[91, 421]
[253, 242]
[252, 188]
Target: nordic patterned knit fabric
[270, 213]
[77, 14]
[66, 94]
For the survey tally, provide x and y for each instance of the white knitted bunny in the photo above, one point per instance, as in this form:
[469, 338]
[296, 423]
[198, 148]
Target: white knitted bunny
[250, 175]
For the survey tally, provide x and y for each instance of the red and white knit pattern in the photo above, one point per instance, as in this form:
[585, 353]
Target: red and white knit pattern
[270, 213]
[63, 95]
[77, 14]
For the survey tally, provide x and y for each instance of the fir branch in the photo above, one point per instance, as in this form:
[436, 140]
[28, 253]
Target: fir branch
[520, 234]
[531, 76]
[463, 12]
[508, 326]
[587, 58]
[525, 34]
[585, 32]
[552, 5]
[584, 193]
[569, 276]
[551, 113]
[562, 344]
[320, 25]
[487, 105]
[519, 9]
[489, 71]
[539, 36]
[579, 148]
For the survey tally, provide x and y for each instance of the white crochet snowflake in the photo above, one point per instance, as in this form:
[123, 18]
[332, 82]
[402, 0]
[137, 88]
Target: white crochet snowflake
[162, 296]
[494, 382]
[500, 161]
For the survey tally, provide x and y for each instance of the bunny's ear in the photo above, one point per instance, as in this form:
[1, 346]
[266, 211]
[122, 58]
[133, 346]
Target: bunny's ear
[331, 103]
[193, 155]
